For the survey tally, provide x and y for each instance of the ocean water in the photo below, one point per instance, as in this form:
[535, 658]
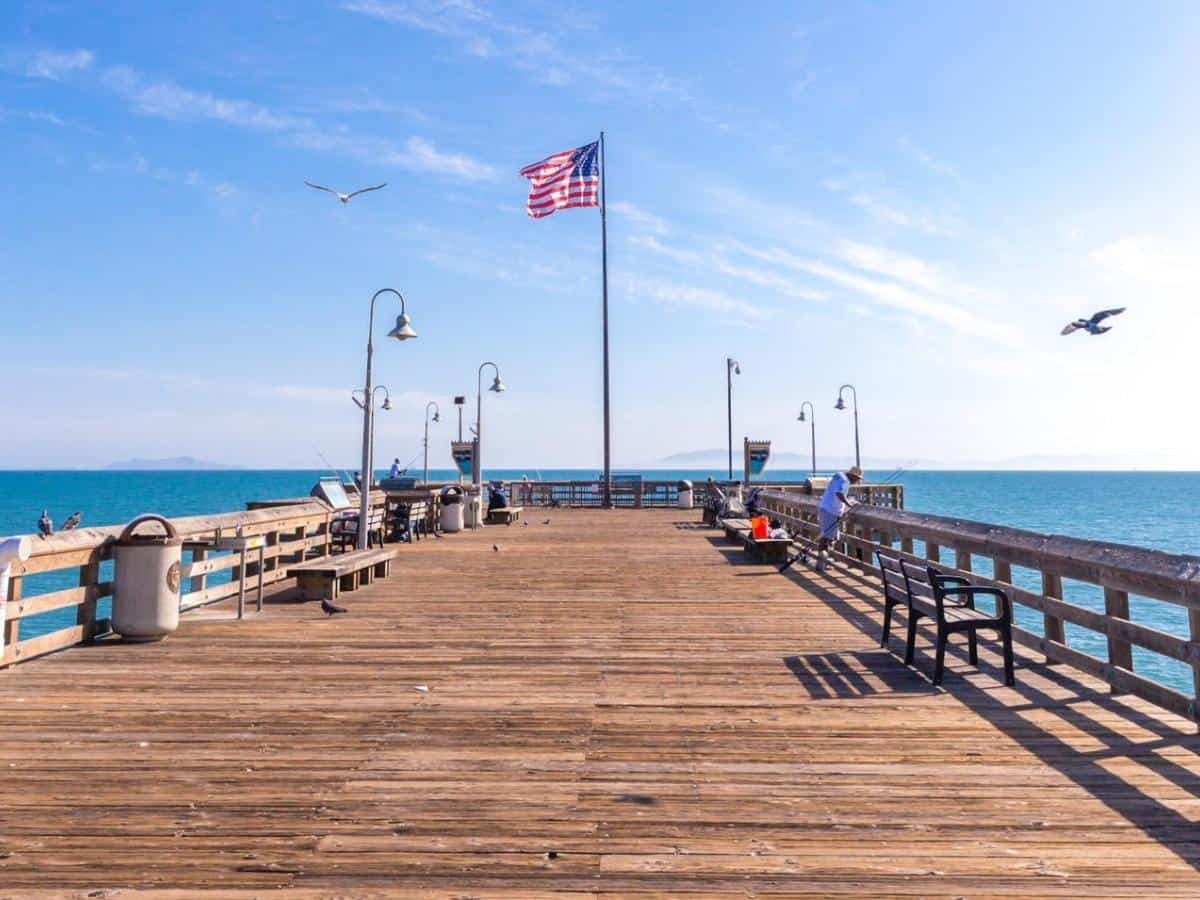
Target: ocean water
[1159, 510]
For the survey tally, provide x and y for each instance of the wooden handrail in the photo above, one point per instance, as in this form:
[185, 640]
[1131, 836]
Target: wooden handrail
[1119, 569]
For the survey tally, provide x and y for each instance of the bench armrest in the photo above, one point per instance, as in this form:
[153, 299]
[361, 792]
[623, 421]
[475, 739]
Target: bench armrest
[970, 591]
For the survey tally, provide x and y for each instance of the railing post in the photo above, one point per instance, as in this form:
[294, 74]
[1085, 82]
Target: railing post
[933, 552]
[1120, 653]
[1194, 626]
[1052, 625]
[12, 626]
[89, 574]
[197, 582]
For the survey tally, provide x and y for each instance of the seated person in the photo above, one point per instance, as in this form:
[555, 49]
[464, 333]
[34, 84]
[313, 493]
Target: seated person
[777, 532]
[395, 470]
[497, 499]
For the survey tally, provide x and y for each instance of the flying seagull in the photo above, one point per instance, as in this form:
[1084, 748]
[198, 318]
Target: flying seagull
[45, 525]
[329, 609]
[345, 198]
[1092, 325]
[72, 522]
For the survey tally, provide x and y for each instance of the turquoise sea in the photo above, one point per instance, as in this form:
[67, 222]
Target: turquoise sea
[1159, 510]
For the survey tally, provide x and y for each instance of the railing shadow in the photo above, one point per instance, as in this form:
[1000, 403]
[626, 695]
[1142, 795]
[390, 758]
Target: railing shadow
[853, 674]
[859, 603]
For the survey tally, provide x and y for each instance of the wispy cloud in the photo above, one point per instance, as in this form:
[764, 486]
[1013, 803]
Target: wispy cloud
[1149, 260]
[941, 224]
[55, 65]
[674, 294]
[557, 59]
[640, 218]
[918, 154]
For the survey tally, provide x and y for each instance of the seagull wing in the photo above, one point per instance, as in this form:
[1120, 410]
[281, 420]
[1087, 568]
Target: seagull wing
[321, 188]
[364, 190]
[1074, 326]
[1105, 313]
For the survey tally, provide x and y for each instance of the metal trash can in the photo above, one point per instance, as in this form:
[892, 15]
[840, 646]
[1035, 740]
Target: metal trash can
[685, 500]
[474, 508]
[452, 509]
[145, 604]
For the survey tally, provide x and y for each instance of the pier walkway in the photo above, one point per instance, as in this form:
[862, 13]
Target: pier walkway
[611, 703]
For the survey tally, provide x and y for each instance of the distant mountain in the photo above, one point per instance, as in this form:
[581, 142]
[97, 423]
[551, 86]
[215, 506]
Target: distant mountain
[172, 463]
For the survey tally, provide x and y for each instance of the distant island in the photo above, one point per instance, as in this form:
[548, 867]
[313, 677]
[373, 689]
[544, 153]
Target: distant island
[171, 463]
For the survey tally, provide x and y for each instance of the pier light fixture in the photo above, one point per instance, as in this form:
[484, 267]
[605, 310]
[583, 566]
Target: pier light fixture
[498, 387]
[812, 425]
[436, 418]
[841, 404]
[732, 367]
[402, 332]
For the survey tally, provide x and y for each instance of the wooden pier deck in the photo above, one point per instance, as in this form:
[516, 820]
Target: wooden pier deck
[611, 704]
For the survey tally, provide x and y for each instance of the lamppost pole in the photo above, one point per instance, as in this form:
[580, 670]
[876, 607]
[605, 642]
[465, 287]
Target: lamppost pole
[436, 417]
[812, 424]
[402, 332]
[497, 387]
[386, 404]
[732, 367]
[841, 404]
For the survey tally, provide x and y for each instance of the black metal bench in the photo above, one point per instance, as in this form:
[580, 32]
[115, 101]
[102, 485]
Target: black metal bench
[948, 601]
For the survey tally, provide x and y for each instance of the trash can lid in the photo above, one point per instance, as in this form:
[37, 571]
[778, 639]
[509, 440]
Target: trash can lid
[170, 537]
[685, 485]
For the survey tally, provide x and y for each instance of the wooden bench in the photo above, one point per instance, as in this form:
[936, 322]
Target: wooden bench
[329, 577]
[735, 530]
[505, 515]
[768, 550]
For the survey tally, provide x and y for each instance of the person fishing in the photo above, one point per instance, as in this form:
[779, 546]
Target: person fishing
[835, 504]
[395, 470]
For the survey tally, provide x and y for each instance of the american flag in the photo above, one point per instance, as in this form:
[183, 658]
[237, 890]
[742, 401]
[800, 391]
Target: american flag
[564, 180]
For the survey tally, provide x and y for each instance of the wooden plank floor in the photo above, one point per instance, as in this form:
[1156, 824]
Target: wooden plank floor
[611, 704]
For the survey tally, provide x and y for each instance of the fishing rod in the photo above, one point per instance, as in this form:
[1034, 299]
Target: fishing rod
[332, 468]
[804, 553]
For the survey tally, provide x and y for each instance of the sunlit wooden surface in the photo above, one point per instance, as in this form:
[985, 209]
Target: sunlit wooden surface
[611, 703]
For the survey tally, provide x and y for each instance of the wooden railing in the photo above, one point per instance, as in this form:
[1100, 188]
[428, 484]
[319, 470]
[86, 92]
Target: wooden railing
[660, 493]
[296, 531]
[955, 546]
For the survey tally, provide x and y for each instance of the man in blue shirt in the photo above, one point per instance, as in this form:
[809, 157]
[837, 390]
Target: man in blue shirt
[835, 504]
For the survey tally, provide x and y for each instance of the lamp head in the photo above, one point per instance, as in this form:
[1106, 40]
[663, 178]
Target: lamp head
[498, 386]
[403, 330]
[841, 404]
[387, 403]
[801, 417]
[437, 417]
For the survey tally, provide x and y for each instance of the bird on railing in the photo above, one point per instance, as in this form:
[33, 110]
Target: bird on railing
[45, 524]
[1092, 326]
[345, 198]
[329, 609]
[72, 522]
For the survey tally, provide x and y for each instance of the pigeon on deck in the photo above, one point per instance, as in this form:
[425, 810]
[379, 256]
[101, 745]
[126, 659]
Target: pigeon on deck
[496, 548]
[329, 609]
[45, 525]
[1092, 325]
[72, 522]
[547, 522]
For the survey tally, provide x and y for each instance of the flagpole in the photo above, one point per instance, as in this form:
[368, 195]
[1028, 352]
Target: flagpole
[607, 493]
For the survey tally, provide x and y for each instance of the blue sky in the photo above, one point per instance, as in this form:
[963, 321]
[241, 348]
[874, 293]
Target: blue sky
[913, 197]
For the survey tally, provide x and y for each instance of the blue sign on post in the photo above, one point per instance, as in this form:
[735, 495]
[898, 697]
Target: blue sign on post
[464, 456]
[756, 455]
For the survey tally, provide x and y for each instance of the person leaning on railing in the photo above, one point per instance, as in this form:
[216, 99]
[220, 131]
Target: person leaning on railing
[834, 506]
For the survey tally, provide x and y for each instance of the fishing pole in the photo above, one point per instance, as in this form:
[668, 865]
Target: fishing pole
[804, 553]
[338, 472]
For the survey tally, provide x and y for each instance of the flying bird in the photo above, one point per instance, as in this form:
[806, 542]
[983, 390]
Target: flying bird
[1092, 325]
[345, 198]
[329, 609]
[45, 525]
[72, 522]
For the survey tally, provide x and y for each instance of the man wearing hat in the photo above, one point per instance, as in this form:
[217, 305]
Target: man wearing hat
[835, 503]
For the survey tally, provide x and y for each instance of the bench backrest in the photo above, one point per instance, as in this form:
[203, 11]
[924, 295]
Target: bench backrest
[418, 510]
[895, 589]
[916, 583]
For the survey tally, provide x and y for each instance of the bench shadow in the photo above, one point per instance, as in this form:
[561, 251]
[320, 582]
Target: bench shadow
[858, 601]
[853, 674]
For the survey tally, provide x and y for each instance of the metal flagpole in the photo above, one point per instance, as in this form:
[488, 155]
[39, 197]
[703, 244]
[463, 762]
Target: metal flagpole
[604, 266]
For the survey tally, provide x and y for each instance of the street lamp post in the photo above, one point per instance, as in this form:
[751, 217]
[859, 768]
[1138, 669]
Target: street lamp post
[812, 424]
[841, 404]
[437, 417]
[403, 331]
[385, 405]
[732, 367]
[498, 388]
